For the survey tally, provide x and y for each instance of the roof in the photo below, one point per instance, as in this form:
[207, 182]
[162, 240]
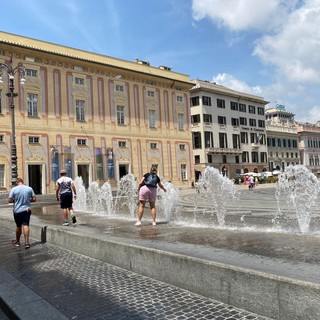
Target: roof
[43, 46]
[213, 87]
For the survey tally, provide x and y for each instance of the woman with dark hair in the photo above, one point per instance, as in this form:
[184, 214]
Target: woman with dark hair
[148, 192]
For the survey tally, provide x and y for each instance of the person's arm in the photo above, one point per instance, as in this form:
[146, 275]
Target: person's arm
[74, 190]
[162, 187]
[141, 183]
[10, 200]
[33, 199]
[57, 191]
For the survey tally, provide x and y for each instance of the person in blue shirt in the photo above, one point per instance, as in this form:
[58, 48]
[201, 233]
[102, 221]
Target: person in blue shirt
[21, 196]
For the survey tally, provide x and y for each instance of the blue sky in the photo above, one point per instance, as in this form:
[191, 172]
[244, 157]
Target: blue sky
[265, 47]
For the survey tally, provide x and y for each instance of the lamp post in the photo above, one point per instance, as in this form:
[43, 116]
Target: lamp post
[10, 71]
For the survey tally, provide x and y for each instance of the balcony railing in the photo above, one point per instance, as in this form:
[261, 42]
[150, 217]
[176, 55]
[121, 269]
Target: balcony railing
[223, 150]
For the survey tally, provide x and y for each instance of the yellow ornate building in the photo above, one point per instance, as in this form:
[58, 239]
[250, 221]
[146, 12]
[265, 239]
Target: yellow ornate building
[95, 116]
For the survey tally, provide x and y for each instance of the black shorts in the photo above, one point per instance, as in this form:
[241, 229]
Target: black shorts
[22, 218]
[66, 200]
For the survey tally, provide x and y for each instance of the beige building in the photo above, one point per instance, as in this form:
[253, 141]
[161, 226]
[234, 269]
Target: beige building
[228, 130]
[309, 145]
[282, 141]
[95, 116]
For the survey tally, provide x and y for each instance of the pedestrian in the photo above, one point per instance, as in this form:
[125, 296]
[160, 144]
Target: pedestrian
[65, 192]
[251, 183]
[21, 196]
[148, 192]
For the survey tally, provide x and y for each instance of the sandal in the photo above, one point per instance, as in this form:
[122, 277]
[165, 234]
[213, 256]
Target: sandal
[16, 243]
[27, 246]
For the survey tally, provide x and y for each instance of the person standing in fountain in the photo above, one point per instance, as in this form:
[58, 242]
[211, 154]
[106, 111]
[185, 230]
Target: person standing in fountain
[21, 196]
[65, 191]
[148, 192]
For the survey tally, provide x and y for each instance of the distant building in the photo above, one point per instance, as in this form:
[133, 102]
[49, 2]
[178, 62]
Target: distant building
[96, 116]
[228, 130]
[309, 145]
[282, 138]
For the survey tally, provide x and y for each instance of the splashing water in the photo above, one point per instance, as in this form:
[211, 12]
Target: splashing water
[167, 200]
[299, 188]
[218, 190]
[127, 196]
[81, 202]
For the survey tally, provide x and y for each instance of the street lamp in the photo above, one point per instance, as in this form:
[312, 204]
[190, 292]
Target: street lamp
[10, 71]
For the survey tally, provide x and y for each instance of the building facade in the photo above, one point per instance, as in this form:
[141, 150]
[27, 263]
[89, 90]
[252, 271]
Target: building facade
[282, 138]
[95, 116]
[309, 145]
[228, 130]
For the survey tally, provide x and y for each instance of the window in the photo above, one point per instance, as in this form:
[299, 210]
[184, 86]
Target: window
[150, 93]
[122, 144]
[183, 170]
[206, 101]
[120, 115]
[244, 137]
[119, 88]
[196, 140]
[31, 73]
[194, 101]
[195, 118]
[207, 118]
[32, 105]
[261, 111]
[242, 107]
[208, 139]
[80, 110]
[0, 101]
[234, 105]
[235, 122]
[152, 119]
[224, 158]
[79, 81]
[245, 156]
[209, 158]
[196, 159]
[261, 123]
[182, 146]
[222, 120]
[223, 143]
[221, 103]
[81, 142]
[33, 140]
[153, 145]
[252, 109]
[179, 98]
[180, 122]
[243, 121]
[255, 156]
[236, 141]
[1, 175]
[1, 138]
[252, 122]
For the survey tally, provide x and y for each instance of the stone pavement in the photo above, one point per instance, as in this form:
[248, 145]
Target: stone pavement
[63, 283]
[79, 287]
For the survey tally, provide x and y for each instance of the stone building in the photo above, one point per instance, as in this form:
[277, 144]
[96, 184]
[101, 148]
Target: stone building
[228, 130]
[309, 145]
[96, 116]
[282, 138]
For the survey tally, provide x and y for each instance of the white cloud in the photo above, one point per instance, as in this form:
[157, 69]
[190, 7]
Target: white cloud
[240, 15]
[231, 82]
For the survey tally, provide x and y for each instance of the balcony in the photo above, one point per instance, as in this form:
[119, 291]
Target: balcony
[223, 151]
[255, 146]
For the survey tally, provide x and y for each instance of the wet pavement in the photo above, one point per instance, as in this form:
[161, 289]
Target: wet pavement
[85, 288]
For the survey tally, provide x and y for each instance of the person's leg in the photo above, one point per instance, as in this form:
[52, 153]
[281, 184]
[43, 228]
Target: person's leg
[18, 235]
[142, 205]
[153, 211]
[26, 231]
[65, 214]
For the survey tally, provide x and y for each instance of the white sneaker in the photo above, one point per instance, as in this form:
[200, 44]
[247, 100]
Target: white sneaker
[154, 223]
[138, 223]
[66, 223]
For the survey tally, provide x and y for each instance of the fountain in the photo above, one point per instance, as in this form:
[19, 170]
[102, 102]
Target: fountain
[296, 194]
